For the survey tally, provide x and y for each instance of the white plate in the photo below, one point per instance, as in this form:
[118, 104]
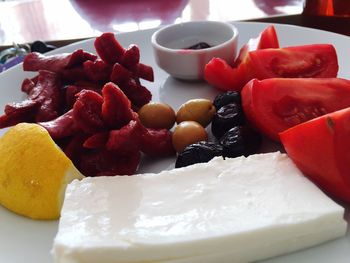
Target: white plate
[25, 240]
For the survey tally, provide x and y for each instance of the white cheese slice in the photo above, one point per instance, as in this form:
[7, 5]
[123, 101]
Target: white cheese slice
[233, 210]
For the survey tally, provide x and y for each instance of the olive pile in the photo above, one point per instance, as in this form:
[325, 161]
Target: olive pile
[233, 136]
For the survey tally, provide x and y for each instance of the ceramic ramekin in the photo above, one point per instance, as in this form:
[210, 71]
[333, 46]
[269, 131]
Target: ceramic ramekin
[170, 46]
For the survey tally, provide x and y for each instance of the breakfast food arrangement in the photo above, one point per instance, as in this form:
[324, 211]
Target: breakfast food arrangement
[258, 167]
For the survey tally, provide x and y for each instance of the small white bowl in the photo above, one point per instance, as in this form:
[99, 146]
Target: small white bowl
[170, 46]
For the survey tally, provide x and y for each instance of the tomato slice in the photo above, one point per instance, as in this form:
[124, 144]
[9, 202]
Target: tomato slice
[320, 149]
[308, 61]
[224, 77]
[268, 38]
[274, 105]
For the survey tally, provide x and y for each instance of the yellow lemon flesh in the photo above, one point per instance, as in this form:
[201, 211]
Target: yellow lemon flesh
[34, 172]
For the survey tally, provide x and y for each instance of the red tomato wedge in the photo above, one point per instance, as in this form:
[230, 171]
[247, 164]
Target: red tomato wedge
[308, 61]
[274, 105]
[222, 76]
[320, 149]
[268, 38]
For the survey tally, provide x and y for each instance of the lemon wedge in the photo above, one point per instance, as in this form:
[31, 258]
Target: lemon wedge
[34, 172]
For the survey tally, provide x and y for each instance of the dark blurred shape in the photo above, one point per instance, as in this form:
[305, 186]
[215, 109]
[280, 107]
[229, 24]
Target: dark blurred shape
[270, 7]
[41, 47]
[103, 14]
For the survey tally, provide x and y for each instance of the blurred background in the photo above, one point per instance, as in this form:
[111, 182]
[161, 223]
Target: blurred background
[24, 21]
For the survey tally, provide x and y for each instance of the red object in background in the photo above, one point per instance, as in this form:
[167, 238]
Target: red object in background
[327, 7]
[103, 14]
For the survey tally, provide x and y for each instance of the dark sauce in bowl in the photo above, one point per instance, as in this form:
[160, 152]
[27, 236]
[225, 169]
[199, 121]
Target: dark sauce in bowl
[200, 45]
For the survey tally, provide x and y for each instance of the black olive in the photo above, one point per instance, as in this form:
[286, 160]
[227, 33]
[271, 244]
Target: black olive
[240, 140]
[226, 118]
[200, 152]
[227, 98]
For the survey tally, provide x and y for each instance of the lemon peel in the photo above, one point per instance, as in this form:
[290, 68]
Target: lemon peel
[34, 172]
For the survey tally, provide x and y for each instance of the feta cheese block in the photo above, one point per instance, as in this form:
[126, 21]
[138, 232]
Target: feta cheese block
[233, 210]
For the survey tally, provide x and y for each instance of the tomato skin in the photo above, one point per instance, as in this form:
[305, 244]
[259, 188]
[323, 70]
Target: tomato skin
[222, 76]
[268, 38]
[226, 77]
[307, 61]
[341, 124]
[320, 149]
[274, 105]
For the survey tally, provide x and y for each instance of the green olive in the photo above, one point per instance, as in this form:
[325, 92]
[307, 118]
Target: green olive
[199, 110]
[157, 115]
[186, 133]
